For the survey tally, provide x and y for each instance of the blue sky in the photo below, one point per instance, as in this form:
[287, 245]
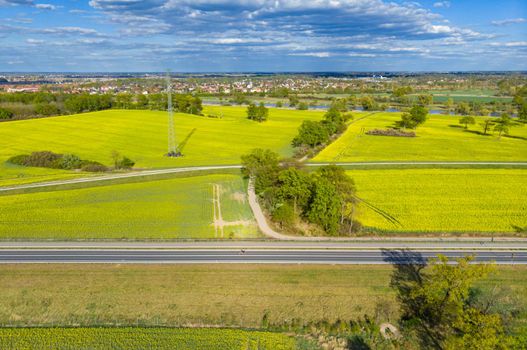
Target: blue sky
[262, 35]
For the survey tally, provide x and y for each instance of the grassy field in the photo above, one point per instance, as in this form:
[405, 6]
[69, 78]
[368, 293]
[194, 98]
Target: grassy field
[168, 209]
[142, 136]
[444, 200]
[141, 338]
[441, 138]
[200, 295]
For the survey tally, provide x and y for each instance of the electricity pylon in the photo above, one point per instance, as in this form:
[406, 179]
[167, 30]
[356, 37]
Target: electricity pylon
[173, 150]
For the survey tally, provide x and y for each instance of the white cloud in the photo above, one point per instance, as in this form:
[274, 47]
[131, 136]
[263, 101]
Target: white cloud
[34, 41]
[46, 7]
[311, 54]
[511, 44]
[442, 4]
[505, 22]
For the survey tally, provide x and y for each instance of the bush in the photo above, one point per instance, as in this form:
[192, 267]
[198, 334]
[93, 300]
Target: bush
[70, 161]
[93, 167]
[19, 160]
[5, 114]
[125, 163]
[44, 159]
[391, 132]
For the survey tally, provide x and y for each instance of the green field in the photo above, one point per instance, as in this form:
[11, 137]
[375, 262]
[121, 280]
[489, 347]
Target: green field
[201, 295]
[168, 209]
[444, 200]
[141, 338]
[441, 138]
[142, 136]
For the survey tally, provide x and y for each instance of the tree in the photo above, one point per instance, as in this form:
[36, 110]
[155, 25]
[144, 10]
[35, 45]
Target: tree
[414, 118]
[46, 109]
[467, 120]
[295, 185]
[284, 214]
[293, 100]
[311, 133]
[368, 103]
[463, 108]
[302, 106]
[325, 205]
[449, 104]
[503, 124]
[435, 304]
[522, 112]
[425, 100]
[486, 124]
[258, 113]
[263, 166]
[345, 187]
[141, 101]
[5, 114]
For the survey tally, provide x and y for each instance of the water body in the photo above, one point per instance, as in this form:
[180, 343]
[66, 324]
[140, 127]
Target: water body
[356, 108]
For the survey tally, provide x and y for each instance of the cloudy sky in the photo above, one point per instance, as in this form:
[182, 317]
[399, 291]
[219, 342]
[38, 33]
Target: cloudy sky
[262, 35]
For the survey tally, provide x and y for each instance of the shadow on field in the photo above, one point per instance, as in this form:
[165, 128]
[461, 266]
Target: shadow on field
[515, 137]
[407, 273]
[183, 143]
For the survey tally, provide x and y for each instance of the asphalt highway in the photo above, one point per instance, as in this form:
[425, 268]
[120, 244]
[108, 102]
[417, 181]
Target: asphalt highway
[274, 256]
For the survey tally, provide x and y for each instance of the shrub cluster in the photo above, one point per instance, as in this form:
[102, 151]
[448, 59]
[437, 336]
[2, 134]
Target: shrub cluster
[324, 198]
[391, 132]
[47, 159]
[312, 134]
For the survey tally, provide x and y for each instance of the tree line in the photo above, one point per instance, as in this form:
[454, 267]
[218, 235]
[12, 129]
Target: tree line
[324, 199]
[43, 104]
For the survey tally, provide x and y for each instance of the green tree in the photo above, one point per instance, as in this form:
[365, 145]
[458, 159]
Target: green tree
[284, 214]
[345, 187]
[435, 305]
[325, 206]
[293, 100]
[311, 133]
[467, 120]
[463, 108]
[302, 106]
[263, 166]
[486, 125]
[258, 113]
[522, 112]
[416, 116]
[425, 100]
[503, 124]
[46, 109]
[295, 186]
[5, 114]
[368, 103]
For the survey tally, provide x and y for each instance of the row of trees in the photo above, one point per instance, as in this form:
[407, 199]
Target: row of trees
[324, 198]
[27, 105]
[314, 133]
[501, 125]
